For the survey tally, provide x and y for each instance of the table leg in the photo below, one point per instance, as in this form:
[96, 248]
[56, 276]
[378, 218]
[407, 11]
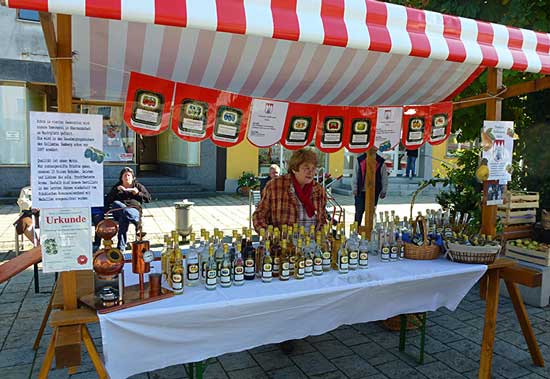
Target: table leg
[525, 324]
[44, 322]
[422, 337]
[402, 332]
[199, 369]
[48, 358]
[92, 352]
[491, 308]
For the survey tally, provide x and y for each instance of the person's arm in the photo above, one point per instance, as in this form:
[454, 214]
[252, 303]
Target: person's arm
[112, 196]
[143, 195]
[322, 219]
[384, 179]
[260, 217]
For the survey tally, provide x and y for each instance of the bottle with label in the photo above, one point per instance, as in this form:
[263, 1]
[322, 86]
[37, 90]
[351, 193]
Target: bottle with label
[284, 273]
[218, 249]
[343, 257]
[309, 249]
[225, 268]
[276, 252]
[260, 251]
[267, 264]
[192, 263]
[211, 270]
[204, 256]
[352, 246]
[318, 257]
[336, 242]
[165, 260]
[385, 251]
[299, 263]
[326, 252]
[363, 252]
[238, 267]
[249, 259]
[394, 248]
[177, 274]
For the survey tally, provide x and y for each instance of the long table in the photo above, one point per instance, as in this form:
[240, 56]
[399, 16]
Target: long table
[200, 324]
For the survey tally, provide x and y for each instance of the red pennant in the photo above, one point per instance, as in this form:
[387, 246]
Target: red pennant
[416, 126]
[362, 124]
[300, 124]
[331, 128]
[194, 112]
[147, 107]
[441, 115]
[231, 119]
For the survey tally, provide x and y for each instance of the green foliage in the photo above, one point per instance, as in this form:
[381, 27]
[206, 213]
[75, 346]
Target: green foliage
[461, 193]
[247, 179]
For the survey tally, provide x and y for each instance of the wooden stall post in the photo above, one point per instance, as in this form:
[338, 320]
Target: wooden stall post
[494, 113]
[370, 185]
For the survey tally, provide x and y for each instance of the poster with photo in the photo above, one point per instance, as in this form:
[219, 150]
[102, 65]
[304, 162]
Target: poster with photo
[66, 239]
[497, 143]
[388, 128]
[494, 191]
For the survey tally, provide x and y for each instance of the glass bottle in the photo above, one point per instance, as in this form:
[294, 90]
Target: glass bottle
[211, 271]
[352, 247]
[299, 264]
[225, 269]
[260, 252]
[363, 252]
[276, 252]
[177, 275]
[249, 259]
[318, 257]
[218, 252]
[308, 257]
[204, 256]
[238, 267]
[326, 252]
[385, 251]
[343, 258]
[394, 249]
[267, 264]
[192, 263]
[165, 260]
[284, 273]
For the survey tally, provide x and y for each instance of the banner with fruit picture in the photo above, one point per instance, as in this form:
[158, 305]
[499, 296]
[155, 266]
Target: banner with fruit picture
[231, 119]
[147, 106]
[361, 125]
[416, 126]
[441, 115]
[331, 128]
[300, 125]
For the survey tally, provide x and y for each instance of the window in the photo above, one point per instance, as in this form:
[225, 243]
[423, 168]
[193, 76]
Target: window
[14, 135]
[26, 15]
[118, 140]
[453, 145]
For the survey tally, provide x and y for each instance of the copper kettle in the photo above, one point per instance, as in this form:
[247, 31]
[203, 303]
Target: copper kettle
[108, 261]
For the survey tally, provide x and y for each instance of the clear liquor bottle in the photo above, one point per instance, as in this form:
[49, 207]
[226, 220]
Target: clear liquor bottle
[318, 257]
[192, 263]
[204, 256]
[385, 251]
[249, 259]
[225, 269]
[343, 258]
[352, 247]
[177, 274]
[260, 250]
[308, 257]
[212, 271]
[326, 252]
[394, 249]
[299, 264]
[165, 260]
[267, 264]
[363, 252]
[276, 252]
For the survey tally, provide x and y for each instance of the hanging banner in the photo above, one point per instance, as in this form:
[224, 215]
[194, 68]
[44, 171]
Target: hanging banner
[194, 112]
[416, 126]
[388, 127]
[66, 239]
[362, 121]
[66, 159]
[497, 142]
[331, 128]
[231, 119]
[267, 122]
[147, 107]
[300, 124]
[441, 115]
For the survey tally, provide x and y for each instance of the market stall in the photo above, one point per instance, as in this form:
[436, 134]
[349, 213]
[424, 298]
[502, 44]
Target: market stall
[326, 59]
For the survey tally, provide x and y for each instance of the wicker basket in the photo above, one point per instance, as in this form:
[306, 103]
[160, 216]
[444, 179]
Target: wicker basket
[472, 254]
[424, 252]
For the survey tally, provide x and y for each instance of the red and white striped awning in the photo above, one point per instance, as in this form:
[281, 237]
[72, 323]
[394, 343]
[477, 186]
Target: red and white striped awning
[346, 52]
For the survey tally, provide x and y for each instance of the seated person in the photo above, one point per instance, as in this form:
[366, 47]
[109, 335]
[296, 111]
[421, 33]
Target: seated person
[127, 196]
[24, 224]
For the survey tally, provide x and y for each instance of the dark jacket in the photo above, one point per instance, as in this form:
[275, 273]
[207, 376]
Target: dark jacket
[129, 198]
[412, 153]
[381, 176]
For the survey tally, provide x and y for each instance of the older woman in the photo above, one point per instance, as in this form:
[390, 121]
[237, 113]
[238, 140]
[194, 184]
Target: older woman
[294, 197]
[126, 198]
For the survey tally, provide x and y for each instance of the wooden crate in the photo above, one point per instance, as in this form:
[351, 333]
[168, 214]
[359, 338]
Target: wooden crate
[517, 216]
[511, 232]
[533, 256]
[520, 200]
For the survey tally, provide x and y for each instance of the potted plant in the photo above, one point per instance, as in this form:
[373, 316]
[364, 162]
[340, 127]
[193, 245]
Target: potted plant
[246, 182]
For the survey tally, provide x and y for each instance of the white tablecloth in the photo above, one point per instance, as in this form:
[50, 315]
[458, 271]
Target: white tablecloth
[200, 324]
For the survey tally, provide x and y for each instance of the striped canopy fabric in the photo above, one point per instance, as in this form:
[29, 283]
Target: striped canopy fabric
[345, 52]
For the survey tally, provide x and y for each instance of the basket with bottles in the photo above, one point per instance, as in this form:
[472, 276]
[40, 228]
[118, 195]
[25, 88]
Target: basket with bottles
[465, 246]
[419, 246]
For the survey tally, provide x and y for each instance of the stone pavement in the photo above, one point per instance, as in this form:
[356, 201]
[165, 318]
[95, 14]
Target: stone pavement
[357, 351]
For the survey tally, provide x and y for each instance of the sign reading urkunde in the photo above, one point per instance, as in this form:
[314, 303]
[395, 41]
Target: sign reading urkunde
[66, 160]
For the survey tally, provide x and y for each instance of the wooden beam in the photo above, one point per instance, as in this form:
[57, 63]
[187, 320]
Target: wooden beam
[19, 263]
[48, 29]
[522, 275]
[370, 185]
[519, 89]
[100, 103]
[493, 112]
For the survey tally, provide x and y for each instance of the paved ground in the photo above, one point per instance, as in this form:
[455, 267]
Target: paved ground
[358, 351]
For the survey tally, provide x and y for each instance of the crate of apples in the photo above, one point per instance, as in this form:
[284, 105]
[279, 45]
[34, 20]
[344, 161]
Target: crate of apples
[528, 243]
